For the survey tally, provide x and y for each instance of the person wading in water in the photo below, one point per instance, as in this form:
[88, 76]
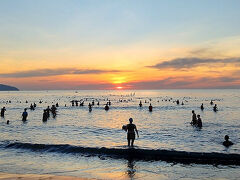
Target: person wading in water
[131, 128]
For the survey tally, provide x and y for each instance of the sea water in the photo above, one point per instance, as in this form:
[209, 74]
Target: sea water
[50, 148]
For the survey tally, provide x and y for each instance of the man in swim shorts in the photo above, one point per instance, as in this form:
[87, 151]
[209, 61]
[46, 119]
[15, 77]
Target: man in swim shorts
[131, 128]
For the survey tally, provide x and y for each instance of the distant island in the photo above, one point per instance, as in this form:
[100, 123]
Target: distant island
[7, 88]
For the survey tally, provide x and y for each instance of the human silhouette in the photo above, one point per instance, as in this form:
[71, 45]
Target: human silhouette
[211, 102]
[202, 108]
[227, 143]
[215, 109]
[3, 111]
[24, 115]
[199, 121]
[150, 107]
[194, 118]
[45, 115]
[106, 107]
[131, 128]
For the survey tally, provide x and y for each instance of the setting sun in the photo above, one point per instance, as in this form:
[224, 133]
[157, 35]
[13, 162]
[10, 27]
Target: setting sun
[119, 87]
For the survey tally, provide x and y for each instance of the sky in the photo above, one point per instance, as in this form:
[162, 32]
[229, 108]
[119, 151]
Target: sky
[119, 44]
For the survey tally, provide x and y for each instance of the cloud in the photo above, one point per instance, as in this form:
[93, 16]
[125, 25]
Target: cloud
[190, 62]
[55, 72]
[187, 82]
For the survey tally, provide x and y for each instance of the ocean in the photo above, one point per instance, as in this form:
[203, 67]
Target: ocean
[92, 144]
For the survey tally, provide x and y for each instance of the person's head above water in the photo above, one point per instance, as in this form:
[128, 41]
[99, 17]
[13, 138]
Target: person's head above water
[130, 120]
[226, 137]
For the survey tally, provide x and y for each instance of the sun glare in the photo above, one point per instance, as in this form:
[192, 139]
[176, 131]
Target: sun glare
[119, 87]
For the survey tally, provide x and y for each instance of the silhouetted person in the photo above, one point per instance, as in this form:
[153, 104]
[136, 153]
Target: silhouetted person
[202, 108]
[48, 111]
[45, 115]
[7, 121]
[150, 107]
[24, 115]
[199, 121]
[93, 103]
[131, 128]
[140, 104]
[34, 105]
[82, 103]
[215, 109]
[53, 109]
[3, 111]
[211, 102]
[182, 103]
[72, 103]
[57, 105]
[227, 143]
[90, 108]
[106, 107]
[177, 102]
[194, 118]
[98, 103]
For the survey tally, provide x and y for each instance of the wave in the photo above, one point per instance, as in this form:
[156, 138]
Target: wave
[135, 153]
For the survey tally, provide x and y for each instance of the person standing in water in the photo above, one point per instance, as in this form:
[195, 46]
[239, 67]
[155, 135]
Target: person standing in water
[215, 109]
[3, 111]
[199, 121]
[194, 118]
[24, 115]
[150, 107]
[131, 128]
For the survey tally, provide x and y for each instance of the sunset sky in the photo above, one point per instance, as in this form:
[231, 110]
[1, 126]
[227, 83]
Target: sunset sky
[113, 44]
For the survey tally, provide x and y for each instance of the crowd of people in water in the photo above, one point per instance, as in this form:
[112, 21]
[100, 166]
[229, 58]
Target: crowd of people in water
[130, 128]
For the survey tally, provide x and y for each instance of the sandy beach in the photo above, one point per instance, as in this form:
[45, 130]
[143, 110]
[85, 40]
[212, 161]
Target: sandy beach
[6, 176]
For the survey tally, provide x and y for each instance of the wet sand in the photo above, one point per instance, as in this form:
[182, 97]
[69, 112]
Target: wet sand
[6, 176]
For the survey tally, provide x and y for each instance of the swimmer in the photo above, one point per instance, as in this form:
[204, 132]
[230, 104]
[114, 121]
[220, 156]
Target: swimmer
[140, 104]
[211, 102]
[177, 102]
[106, 107]
[227, 143]
[7, 121]
[131, 128]
[202, 108]
[194, 118]
[215, 109]
[24, 115]
[199, 121]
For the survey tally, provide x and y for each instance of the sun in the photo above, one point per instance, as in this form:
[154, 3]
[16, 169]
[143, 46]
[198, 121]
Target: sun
[119, 87]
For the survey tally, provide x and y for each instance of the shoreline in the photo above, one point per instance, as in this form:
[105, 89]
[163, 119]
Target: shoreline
[10, 176]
